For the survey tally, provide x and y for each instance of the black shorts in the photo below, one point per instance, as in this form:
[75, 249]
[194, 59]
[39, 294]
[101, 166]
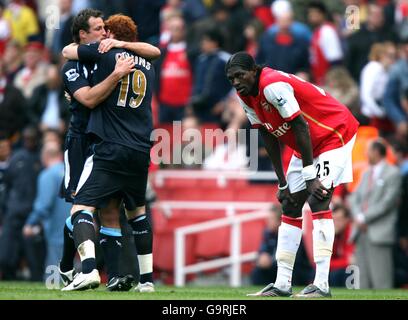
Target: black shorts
[75, 154]
[113, 171]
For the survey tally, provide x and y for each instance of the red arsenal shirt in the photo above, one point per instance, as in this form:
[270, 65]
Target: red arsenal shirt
[282, 97]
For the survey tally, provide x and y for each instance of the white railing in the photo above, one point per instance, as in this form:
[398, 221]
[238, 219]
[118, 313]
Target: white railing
[236, 257]
[221, 176]
[230, 207]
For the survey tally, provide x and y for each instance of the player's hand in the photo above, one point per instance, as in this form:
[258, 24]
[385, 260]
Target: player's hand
[284, 195]
[124, 66]
[67, 96]
[106, 44]
[315, 188]
[30, 231]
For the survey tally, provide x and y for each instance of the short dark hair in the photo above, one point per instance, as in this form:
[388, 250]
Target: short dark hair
[81, 21]
[380, 147]
[241, 59]
[318, 5]
[214, 35]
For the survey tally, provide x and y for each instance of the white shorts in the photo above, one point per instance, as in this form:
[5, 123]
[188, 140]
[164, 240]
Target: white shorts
[332, 167]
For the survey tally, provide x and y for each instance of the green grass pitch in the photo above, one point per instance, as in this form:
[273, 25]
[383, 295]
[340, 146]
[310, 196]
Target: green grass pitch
[38, 291]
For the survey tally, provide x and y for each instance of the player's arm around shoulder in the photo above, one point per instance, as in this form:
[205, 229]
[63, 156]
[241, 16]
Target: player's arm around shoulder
[143, 49]
[70, 51]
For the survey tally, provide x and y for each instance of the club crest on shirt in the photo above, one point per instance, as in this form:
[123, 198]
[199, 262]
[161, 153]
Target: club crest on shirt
[266, 106]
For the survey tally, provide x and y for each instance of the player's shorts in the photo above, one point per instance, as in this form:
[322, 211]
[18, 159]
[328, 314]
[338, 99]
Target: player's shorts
[115, 171]
[333, 167]
[75, 154]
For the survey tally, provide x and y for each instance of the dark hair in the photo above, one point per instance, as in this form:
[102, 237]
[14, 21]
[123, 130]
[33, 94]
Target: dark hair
[318, 5]
[342, 207]
[380, 147]
[81, 22]
[214, 35]
[241, 59]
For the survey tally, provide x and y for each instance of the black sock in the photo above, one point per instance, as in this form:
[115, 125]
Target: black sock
[69, 250]
[84, 231]
[110, 240]
[142, 233]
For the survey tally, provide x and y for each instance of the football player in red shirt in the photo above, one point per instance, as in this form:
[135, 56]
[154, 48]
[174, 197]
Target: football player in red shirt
[321, 131]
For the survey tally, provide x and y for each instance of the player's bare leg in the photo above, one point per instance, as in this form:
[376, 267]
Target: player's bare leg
[289, 237]
[84, 238]
[143, 235]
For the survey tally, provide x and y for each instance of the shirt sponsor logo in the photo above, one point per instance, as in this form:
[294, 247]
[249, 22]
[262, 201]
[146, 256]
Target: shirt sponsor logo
[285, 127]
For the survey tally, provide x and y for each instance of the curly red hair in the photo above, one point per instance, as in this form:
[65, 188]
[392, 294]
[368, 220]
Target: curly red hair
[123, 27]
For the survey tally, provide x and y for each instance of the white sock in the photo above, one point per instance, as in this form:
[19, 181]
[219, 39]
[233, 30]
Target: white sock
[145, 263]
[289, 238]
[323, 238]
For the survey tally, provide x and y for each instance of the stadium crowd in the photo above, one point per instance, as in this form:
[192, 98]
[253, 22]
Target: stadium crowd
[356, 50]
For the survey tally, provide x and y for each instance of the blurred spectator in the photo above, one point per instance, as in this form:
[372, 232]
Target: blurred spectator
[397, 87]
[34, 72]
[146, 14]
[401, 248]
[50, 211]
[167, 13]
[283, 48]
[343, 249]
[195, 32]
[283, 9]
[235, 21]
[266, 265]
[52, 136]
[252, 32]
[5, 31]
[194, 10]
[21, 179]
[210, 83]
[13, 115]
[342, 87]
[22, 20]
[174, 74]
[360, 42]
[109, 7]
[230, 155]
[261, 11]
[62, 36]
[396, 14]
[374, 210]
[5, 152]
[48, 106]
[13, 60]
[325, 48]
[374, 78]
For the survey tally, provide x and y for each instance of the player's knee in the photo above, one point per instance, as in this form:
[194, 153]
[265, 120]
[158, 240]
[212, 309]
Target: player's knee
[135, 213]
[110, 217]
[290, 210]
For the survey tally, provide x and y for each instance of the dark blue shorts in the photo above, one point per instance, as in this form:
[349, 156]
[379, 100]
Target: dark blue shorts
[75, 154]
[113, 171]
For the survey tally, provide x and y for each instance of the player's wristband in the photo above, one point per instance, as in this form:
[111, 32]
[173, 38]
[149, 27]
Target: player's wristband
[309, 172]
[284, 187]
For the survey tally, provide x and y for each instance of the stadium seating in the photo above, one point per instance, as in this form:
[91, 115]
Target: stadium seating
[207, 244]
